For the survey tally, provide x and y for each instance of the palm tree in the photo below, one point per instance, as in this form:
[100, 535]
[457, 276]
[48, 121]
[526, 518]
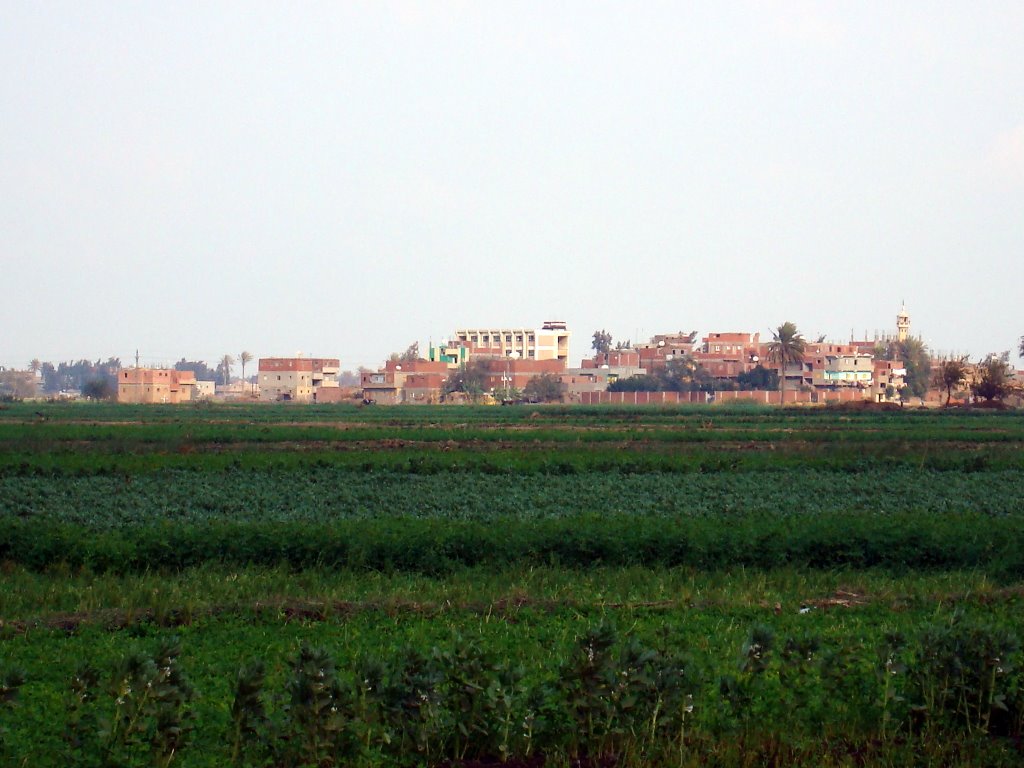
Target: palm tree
[786, 348]
[243, 358]
[225, 366]
[34, 366]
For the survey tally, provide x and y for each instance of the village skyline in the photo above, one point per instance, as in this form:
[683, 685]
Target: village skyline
[580, 345]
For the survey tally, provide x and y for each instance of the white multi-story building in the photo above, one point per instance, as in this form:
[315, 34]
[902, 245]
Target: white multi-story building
[549, 342]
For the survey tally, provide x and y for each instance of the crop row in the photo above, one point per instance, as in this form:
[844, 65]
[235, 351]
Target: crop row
[898, 541]
[495, 459]
[271, 414]
[325, 494]
[948, 690]
[173, 434]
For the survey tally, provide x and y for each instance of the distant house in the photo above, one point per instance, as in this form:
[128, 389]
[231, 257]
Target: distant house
[205, 390]
[411, 381]
[155, 385]
[297, 379]
[727, 355]
[664, 348]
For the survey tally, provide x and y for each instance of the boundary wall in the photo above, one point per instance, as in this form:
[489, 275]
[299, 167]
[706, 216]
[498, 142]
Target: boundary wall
[694, 398]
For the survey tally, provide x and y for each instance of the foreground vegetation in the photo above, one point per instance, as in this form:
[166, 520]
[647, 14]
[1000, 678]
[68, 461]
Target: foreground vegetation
[333, 586]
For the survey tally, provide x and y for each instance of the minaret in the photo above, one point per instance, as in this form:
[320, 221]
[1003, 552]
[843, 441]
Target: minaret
[902, 324]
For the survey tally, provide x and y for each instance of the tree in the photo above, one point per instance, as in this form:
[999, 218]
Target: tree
[786, 348]
[99, 389]
[75, 374]
[34, 366]
[759, 377]
[950, 374]
[243, 358]
[1020, 352]
[411, 354]
[639, 383]
[623, 346]
[51, 382]
[16, 385]
[992, 377]
[469, 379]
[602, 343]
[684, 374]
[918, 364]
[202, 371]
[224, 369]
[546, 388]
[916, 360]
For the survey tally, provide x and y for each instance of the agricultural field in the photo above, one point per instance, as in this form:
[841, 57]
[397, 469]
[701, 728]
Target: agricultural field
[330, 585]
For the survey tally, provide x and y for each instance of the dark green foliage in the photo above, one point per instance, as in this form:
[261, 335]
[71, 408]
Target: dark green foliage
[546, 388]
[102, 388]
[140, 716]
[314, 730]
[609, 699]
[962, 676]
[898, 541]
[11, 681]
[992, 377]
[250, 727]
[759, 377]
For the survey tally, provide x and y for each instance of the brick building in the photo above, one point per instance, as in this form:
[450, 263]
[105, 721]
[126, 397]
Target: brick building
[726, 355]
[413, 381]
[664, 348]
[297, 379]
[155, 385]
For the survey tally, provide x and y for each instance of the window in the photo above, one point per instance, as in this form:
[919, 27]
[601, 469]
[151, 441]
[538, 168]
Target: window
[473, 338]
[508, 338]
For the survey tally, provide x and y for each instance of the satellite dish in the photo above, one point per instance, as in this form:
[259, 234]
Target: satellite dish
[661, 343]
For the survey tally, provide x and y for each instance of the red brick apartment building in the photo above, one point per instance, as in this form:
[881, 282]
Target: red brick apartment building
[727, 355]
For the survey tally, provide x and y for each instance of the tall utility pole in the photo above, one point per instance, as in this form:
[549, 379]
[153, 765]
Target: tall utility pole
[136, 358]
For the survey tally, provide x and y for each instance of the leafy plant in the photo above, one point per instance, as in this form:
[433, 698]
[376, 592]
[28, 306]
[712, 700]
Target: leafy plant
[314, 731]
[250, 726]
[140, 716]
[11, 681]
[961, 674]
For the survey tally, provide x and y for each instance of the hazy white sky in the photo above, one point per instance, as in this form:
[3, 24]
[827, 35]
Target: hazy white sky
[194, 179]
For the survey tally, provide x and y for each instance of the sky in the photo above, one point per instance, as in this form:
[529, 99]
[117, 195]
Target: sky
[340, 179]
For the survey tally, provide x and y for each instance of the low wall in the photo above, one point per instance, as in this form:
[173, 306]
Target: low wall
[693, 398]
